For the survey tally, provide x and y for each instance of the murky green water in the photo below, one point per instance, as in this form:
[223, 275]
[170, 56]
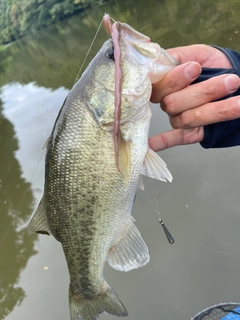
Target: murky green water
[200, 207]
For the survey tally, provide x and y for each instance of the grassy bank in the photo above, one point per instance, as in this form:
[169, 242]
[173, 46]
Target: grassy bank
[17, 18]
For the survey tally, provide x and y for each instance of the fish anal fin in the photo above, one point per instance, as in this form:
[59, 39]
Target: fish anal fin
[124, 158]
[39, 223]
[130, 251]
[154, 167]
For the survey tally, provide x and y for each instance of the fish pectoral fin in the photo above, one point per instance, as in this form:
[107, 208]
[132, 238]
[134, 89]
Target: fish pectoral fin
[130, 251]
[124, 158]
[154, 167]
[39, 222]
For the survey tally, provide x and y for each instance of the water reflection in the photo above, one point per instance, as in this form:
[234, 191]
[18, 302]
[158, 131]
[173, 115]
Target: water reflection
[51, 57]
[18, 140]
[16, 203]
[32, 110]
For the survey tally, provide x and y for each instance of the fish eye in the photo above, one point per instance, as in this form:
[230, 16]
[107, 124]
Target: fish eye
[109, 53]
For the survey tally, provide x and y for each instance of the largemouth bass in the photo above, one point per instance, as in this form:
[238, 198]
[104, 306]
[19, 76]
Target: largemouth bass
[88, 195]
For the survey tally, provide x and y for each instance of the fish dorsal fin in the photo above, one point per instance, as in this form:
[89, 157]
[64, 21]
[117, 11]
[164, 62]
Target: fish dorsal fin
[140, 183]
[39, 222]
[154, 167]
[130, 251]
[124, 158]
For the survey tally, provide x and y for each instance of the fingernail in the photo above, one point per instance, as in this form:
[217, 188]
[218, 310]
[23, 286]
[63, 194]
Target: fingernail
[232, 82]
[192, 71]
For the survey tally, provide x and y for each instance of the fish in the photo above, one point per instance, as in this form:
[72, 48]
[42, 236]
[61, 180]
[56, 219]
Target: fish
[88, 193]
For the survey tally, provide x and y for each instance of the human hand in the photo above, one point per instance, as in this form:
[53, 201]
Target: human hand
[192, 107]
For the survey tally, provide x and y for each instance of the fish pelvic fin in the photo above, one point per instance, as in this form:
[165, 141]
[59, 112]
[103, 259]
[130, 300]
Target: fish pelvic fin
[88, 308]
[154, 167]
[39, 223]
[130, 251]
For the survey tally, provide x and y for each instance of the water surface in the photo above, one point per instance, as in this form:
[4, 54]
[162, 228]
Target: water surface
[200, 207]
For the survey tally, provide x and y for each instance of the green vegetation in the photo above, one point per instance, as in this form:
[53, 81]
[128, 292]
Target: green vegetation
[19, 17]
[52, 56]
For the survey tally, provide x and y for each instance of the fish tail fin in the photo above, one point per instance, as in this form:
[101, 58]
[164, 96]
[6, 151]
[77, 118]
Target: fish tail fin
[82, 308]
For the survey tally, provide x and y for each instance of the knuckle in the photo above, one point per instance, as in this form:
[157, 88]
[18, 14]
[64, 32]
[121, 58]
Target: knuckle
[194, 135]
[169, 104]
[236, 110]
[163, 106]
[211, 89]
[175, 122]
[165, 141]
[226, 109]
[220, 110]
[187, 119]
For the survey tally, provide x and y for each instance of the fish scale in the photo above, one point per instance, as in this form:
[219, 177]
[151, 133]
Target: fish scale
[88, 195]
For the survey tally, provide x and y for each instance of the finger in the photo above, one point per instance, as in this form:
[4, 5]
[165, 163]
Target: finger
[213, 112]
[200, 93]
[204, 54]
[175, 80]
[175, 137]
[184, 54]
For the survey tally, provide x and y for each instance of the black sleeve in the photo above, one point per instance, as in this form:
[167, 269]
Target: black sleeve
[227, 133]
